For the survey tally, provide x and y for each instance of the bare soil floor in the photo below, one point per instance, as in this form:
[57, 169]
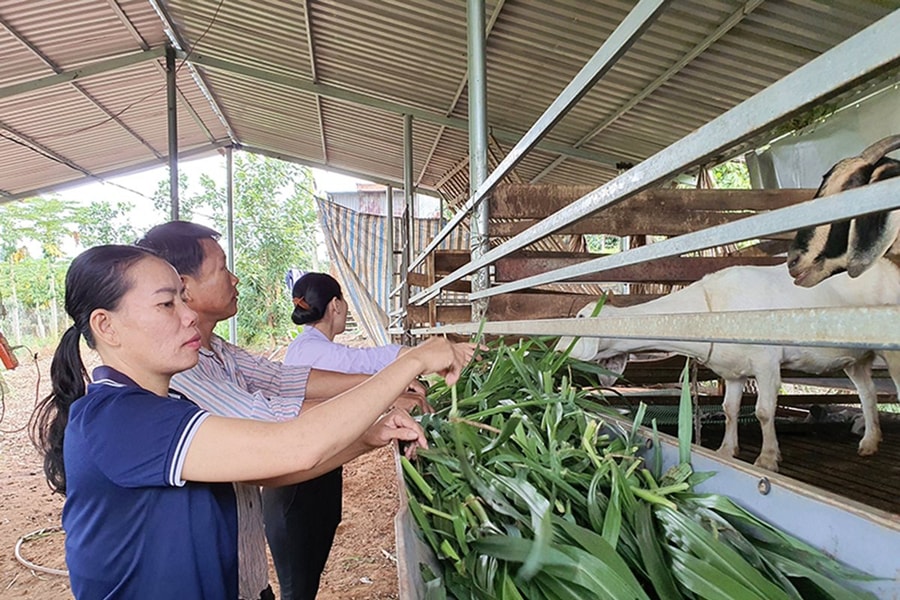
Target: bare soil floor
[362, 564]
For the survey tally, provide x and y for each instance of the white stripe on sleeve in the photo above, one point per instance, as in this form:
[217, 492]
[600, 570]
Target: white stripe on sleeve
[181, 450]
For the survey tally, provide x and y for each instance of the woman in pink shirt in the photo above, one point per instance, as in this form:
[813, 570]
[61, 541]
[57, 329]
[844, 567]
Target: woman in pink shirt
[319, 305]
[301, 519]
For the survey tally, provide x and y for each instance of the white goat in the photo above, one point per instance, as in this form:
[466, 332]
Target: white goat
[763, 288]
[852, 245]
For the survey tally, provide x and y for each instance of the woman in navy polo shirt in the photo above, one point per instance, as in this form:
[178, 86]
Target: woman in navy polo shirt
[148, 512]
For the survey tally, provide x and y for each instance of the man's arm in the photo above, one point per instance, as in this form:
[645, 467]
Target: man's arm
[325, 384]
[209, 387]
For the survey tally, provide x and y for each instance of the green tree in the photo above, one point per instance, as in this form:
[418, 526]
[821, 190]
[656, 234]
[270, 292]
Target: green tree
[104, 222]
[274, 230]
[188, 204]
[732, 175]
[33, 282]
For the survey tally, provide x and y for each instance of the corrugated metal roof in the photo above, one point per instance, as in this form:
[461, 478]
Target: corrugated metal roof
[326, 82]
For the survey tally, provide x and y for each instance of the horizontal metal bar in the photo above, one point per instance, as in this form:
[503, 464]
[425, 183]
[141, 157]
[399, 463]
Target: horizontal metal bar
[833, 72]
[325, 90]
[869, 327]
[192, 153]
[328, 167]
[873, 198]
[629, 30]
[96, 68]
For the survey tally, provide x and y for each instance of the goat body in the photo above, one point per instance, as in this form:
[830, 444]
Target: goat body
[764, 288]
[850, 245]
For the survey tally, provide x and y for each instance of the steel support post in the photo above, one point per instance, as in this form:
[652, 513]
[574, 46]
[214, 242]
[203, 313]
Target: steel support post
[641, 17]
[172, 112]
[229, 208]
[409, 222]
[389, 249]
[479, 243]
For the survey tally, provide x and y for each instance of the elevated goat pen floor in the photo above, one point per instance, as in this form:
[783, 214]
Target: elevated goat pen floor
[824, 455]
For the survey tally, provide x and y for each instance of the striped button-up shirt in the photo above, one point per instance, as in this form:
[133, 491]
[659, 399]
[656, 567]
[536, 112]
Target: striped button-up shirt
[231, 382]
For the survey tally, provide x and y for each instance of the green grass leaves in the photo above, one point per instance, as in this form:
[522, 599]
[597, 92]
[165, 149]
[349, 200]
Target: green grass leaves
[529, 490]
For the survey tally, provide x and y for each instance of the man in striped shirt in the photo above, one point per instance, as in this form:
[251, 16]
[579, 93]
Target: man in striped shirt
[231, 382]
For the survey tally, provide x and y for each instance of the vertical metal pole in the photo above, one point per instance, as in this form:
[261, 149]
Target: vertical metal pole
[389, 246]
[410, 194]
[478, 150]
[172, 112]
[229, 209]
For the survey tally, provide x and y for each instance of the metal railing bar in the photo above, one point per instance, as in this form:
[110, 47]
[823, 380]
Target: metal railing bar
[866, 327]
[629, 30]
[835, 71]
[852, 203]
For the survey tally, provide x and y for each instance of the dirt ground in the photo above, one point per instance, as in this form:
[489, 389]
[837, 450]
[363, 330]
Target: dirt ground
[362, 564]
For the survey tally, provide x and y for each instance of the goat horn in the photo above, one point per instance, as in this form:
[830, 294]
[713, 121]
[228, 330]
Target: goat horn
[879, 149]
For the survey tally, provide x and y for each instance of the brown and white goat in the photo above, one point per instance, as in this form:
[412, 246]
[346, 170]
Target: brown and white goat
[851, 245]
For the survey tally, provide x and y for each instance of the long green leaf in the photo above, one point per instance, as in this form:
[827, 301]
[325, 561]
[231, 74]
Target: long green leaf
[685, 416]
[658, 572]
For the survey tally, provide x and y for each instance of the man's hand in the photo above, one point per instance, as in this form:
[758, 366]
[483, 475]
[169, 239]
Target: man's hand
[437, 355]
[417, 387]
[396, 425]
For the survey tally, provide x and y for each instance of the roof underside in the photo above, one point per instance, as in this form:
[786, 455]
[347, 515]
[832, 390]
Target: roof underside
[326, 82]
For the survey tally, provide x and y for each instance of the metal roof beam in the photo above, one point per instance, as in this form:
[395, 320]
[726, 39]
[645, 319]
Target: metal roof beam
[459, 90]
[619, 41]
[44, 151]
[329, 91]
[315, 77]
[102, 176]
[729, 23]
[97, 68]
[123, 18]
[397, 183]
[185, 50]
[840, 69]
[56, 69]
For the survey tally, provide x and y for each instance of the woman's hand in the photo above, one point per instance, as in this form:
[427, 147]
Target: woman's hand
[437, 355]
[396, 425]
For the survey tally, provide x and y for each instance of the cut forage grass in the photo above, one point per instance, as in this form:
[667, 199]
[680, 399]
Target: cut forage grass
[528, 490]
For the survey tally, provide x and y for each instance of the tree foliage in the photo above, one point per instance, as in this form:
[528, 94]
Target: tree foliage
[274, 230]
[732, 174]
[33, 234]
[105, 223]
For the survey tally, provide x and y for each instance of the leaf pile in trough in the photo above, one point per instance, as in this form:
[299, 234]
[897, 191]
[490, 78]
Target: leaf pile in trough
[529, 490]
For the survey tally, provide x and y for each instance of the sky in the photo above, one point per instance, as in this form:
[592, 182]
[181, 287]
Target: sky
[138, 188]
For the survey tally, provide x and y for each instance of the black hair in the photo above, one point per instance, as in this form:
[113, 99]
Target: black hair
[178, 242]
[96, 279]
[312, 293]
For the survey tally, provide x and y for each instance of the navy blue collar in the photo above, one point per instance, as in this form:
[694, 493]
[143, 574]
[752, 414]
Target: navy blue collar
[104, 372]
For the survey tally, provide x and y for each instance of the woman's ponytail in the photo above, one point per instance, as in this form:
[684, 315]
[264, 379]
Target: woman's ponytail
[48, 423]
